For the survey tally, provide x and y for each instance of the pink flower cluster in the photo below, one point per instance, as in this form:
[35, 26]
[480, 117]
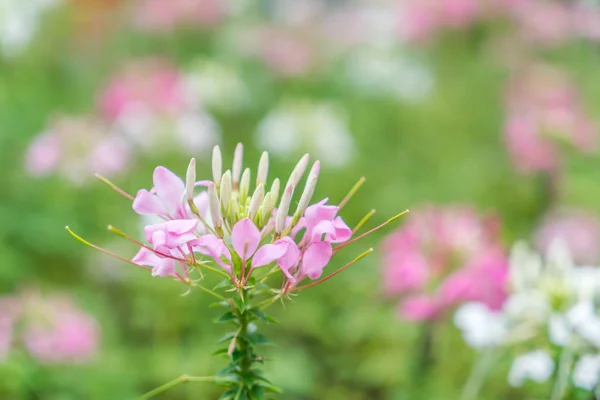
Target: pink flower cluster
[76, 147]
[578, 229]
[135, 111]
[545, 109]
[161, 16]
[239, 232]
[442, 257]
[52, 328]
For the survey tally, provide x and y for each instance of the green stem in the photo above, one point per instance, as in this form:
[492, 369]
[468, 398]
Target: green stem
[182, 379]
[562, 374]
[477, 376]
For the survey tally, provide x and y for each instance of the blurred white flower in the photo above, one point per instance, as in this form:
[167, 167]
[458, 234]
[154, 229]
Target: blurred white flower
[382, 70]
[536, 366]
[481, 327]
[300, 126]
[217, 86]
[19, 22]
[587, 371]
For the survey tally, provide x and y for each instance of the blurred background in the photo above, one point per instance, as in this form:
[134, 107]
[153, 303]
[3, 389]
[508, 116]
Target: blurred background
[489, 106]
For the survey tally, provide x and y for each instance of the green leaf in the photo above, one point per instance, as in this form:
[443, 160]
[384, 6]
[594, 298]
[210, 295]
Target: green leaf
[239, 303]
[226, 283]
[269, 387]
[220, 351]
[229, 395]
[257, 313]
[223, 304]
[227, 317]
[227, 337]
[258, 339]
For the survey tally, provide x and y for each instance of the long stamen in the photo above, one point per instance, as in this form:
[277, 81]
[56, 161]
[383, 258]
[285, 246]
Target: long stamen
[114, 187]
[360, 257]
[389, 221]
[132, 240]
[363, 221]
[352, 192]
[93, 246]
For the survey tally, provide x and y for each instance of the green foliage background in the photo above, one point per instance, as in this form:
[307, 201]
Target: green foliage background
[340, 340]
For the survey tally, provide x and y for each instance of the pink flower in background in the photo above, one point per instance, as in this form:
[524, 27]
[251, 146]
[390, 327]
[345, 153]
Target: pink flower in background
[578, 229]
[56, 331]
[164, 16]
[543, 109]
[285, 53]
[420, 19]
[52, 328]
[153, 85]
[441, 257]
[76, 147]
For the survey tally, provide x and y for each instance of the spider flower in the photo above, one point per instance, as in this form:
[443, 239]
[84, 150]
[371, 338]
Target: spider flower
[239, 227]
[441, 258]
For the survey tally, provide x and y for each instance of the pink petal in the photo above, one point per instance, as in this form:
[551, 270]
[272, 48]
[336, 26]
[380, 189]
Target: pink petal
[182, 226]
[169, 187]
[315, 258]
[268, 253]
[292, 254]
[212, 246]
[322, 228]
[164, 267]
[145, 257]
[146, 203]
[245, 238]
[418, 308]
[342, 231]
[320, 212]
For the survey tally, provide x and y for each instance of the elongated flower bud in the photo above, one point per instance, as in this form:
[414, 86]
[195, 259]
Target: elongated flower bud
[298, 171]
[214, 206]
[217, 165]
[225, 190]
[190, 179]
[284, 207]
[244, 187]
[275, 190]
[256, 201]
[266, 208]
[309, 190]
[263, 169]
[236, 170]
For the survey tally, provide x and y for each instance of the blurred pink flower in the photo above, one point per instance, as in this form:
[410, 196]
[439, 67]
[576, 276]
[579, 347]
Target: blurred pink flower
[542, 22]
[56, 331]
[441, 257]
[285, 53]
[544, 108]
[76, 147]
[153, 85]
[578, 229]
[420, 19]
[163, 16]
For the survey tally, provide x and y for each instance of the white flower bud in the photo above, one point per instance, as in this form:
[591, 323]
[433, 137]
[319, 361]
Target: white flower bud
[245, 185]
[275, 190]
[236, 170]
[284, 207]
[217, 165]
[225, 190]
[263, 169]
[256, 201]
[214, 205]
[309, 190]
[298, 171]
[190, 179]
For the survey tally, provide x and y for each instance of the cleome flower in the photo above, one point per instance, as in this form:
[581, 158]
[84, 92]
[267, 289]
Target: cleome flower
[239, 226]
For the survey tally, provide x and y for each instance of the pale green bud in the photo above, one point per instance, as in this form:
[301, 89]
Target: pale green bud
[275, 190]
[225, 190]
[256, 201]
[190, 179]
[284, 207]
[307, 194]
[217, 165]
[263, 169]
[236, 170]
[298, 171]
[214, 206]
[245, 185]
